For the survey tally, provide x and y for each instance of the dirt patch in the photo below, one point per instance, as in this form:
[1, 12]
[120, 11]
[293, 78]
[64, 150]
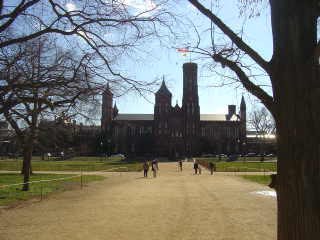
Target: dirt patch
[176, 205]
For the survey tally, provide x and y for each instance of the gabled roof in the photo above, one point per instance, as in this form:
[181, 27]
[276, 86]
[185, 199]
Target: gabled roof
[150, 117]
[163, 89]
[218, 117]
[134, 117]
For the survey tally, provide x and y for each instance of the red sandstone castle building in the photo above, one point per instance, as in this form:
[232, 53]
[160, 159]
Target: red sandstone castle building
[174, 131]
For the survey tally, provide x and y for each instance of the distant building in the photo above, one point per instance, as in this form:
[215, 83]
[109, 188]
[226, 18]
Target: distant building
[260, 143]
[174, 131]
[6, 139]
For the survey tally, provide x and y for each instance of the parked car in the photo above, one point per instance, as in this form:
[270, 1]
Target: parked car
[208, 155]
[223, 155]
[232, 157]
[270, 155]
[251, 154]
[118, 155]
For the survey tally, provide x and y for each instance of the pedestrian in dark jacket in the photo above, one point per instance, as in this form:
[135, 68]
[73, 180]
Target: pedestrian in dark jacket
[211, 167]
[145, 169]
[195, 166]
[154, 167]
[180, 165]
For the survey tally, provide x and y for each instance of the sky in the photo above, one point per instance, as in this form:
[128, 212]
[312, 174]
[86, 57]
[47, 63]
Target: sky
[161, 59]
[166, 61]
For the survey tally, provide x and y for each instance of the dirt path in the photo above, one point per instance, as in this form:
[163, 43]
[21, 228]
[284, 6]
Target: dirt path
[173, 206]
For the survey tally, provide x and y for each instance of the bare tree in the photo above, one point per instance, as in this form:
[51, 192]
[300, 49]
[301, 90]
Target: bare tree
[263, 123]
[37, 79]
[107, 28]
[100, 32]
[294, 75]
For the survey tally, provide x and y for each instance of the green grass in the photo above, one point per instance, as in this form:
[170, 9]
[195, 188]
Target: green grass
[265, 180]
[243, 166]
[12, 194]
[240, 159]
[246, 166]
[74, 164]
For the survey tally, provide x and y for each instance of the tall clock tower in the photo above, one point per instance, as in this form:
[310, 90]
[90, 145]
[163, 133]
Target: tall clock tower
[191, 108]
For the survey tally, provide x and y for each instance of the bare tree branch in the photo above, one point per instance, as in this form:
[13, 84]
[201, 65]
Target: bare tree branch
[250, 86]
[233, 36]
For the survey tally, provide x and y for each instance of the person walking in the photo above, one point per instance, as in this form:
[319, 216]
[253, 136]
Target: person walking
[180, 165]
[156, 160]
[195, 166]
[211, 167]
[145, 169]
[154, 168]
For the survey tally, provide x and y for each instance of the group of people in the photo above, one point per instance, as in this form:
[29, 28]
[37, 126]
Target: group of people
[197, 168]
[154, 168]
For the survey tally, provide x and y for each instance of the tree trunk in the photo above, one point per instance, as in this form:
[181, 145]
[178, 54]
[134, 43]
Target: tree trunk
[24, 167]
[27, 156]
[296, 90]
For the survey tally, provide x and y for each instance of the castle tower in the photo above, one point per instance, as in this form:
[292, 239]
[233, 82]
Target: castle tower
[243, 119]
[162, 110]
[107, 110]
[115, 110]
[190, 107]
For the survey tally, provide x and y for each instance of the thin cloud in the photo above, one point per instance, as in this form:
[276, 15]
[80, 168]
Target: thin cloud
[70, 6]
[141, 5]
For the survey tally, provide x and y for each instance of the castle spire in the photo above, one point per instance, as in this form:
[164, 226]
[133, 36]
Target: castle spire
[107, 90]
[242, 104]
[115, 110]
[163, 89]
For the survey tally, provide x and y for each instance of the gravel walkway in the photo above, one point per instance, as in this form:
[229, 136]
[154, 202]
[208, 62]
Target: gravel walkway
[175, 205]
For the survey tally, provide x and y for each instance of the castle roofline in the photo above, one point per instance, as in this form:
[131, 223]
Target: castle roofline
[107, 90]
[163, 89]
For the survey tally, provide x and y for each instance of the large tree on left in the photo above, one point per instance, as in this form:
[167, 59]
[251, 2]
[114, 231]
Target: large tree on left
[100, 30]
[38, 80]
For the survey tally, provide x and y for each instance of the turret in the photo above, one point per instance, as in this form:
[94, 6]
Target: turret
[162, 109]
[231, 111]
[190, 107]
[243, 118]
[190, 100]
[163, 100]
[190, 84]
[243, 109]
[107, 110]
[115, 110]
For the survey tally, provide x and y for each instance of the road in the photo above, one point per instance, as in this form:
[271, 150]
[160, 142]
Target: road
[175, 205]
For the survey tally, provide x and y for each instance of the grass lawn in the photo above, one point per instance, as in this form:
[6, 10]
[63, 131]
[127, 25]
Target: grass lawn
[74, 164]
[12, 194]
[242, 166]
[240, 159]
[265, 180]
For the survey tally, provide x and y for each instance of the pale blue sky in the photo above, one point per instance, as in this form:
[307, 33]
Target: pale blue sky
[157, 60]
[168, 62]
